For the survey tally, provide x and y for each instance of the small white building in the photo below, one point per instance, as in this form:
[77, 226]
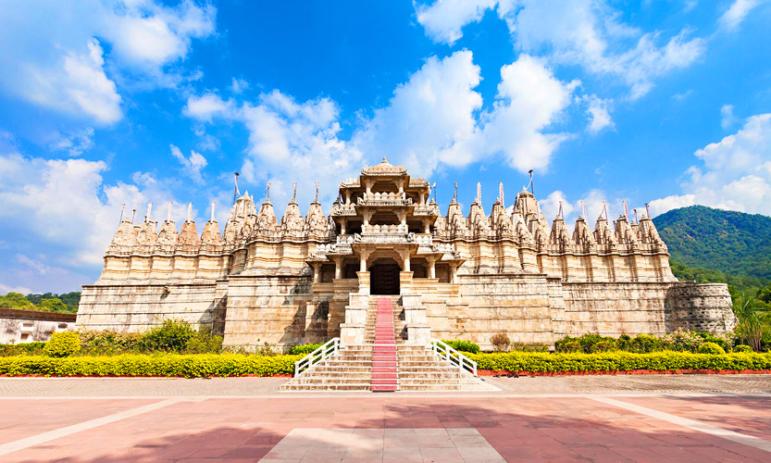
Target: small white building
[18, 326]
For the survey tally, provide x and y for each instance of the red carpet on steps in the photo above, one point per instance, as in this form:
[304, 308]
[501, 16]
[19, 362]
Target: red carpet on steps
[384, 350]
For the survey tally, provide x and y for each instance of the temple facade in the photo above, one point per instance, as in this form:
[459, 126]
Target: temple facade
[453, 275]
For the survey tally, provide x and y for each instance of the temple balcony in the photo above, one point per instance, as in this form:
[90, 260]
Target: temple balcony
[343, 210]
[384, 199]
[424, 210]
[391, 230]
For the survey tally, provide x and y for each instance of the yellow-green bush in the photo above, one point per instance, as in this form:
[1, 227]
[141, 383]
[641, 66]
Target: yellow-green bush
[619, 361]
[63, 344]
[184, 365]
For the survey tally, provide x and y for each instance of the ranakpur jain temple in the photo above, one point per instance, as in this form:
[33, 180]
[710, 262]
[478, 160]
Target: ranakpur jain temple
[452, 274]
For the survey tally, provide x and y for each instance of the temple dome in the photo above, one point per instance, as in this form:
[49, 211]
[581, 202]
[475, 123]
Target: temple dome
[384, 168]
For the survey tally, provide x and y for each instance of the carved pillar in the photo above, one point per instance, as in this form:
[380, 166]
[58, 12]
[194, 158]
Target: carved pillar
[431, 267]
[338, 267]
[316, 272]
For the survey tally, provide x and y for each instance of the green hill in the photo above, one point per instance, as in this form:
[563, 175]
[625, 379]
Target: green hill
[735, 244]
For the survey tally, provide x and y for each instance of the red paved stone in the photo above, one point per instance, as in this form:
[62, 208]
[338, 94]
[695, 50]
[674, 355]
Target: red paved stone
[530, 429]
[746, 415]
[22, 418]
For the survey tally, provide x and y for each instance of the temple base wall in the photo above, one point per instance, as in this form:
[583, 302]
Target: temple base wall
[281, 311]
[139, 306]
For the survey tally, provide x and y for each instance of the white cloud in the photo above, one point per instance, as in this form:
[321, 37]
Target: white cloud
[735, 14]
[5, 289]
[75, 143]
[191, 165]
[430, 118]
[529, 100]
[735, 173]
[550, 205]
[69, 207]
[577, 32]
[445, 18]
[77, 84]
[148, 35]
[599, 114]
[59, 64]
[208, 106]
[727, 117]
[238, 86]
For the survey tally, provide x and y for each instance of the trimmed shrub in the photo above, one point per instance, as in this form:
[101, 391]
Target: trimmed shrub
[711, 348]
[524, 347]
[500, 342]
[642, 343]
[172, 336]
[682, 340]
[63, 344]
[724, 341]
[519, 362]
[188, 366]
[23, 348]
[568, 344]
[588, 343]
[110, 342]
[303, 349]
[462, 345]
[204, 343]
[742, 348]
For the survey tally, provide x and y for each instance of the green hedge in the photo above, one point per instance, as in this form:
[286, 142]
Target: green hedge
[185, 365]
[619, 361]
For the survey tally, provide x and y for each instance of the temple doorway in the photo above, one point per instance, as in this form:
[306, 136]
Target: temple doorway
[384, 277]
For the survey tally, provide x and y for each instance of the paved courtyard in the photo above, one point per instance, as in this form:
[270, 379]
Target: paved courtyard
[614, 419]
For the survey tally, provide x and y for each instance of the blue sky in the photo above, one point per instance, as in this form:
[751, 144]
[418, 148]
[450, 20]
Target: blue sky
[106, 103]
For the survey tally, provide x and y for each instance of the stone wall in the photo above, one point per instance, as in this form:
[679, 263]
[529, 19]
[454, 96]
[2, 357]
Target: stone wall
[30, 325]
[269, 309]
[518, 305]
[699, 306]
[139, 306]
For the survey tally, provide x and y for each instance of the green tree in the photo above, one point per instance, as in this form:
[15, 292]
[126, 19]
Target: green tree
[53, 304]
[14, 300]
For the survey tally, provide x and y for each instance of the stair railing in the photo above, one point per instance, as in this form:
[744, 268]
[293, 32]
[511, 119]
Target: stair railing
[327, 350]
[445, 352]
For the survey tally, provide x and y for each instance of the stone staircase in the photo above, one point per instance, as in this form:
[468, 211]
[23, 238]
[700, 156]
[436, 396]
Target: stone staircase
[385, 363]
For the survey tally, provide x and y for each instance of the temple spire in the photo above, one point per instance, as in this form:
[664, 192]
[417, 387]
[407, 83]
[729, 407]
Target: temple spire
[316, 197]
[294, 193]
[582, 206]
[559, 212]
[133, 214]
[455, 192]
[500, 194]
[189, 212]
[168, 211]
[122, 211]
[149, 212]
[267, 192]
[212, 212]
[479, 193]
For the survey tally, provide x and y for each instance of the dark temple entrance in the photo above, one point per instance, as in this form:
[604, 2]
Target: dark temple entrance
[384, 278]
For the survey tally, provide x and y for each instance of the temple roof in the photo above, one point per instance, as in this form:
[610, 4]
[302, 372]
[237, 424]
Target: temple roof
[384, 168]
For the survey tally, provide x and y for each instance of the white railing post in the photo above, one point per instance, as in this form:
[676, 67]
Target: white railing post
[443, 351]
[328, 349]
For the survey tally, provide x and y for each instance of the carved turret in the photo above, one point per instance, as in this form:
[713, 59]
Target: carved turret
[125, 237]
[211, 238]
[188, 240]
[292, 223]
[167, 237]
[315, 222]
